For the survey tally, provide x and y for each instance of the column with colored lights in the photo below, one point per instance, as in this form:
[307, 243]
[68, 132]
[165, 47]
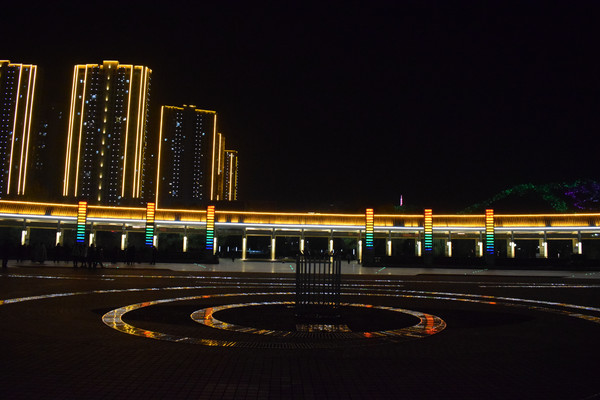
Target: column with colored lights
[369, 228]
[428, 236]
[210, 229]
[368, 250]
[81, 221]
[150, 214]
[489, 235]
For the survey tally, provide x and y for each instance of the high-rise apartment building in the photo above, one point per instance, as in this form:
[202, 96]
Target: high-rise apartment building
[17, 93]
[107, 133]
[230, 175]
[187, 173]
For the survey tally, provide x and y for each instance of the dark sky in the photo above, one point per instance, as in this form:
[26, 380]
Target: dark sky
[354, 103]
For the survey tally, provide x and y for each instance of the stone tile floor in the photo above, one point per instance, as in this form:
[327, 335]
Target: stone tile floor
[509, 335]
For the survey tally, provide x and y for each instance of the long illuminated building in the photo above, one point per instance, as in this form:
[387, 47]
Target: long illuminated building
[106, 140]
[17, 94]
[191, 158]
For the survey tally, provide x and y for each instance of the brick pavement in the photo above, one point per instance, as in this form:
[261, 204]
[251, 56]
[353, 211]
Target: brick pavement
[59, 347]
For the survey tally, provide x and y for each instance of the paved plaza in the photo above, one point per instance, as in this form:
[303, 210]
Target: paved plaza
[227, 331]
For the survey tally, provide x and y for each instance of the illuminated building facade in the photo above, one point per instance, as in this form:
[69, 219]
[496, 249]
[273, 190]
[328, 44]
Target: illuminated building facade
[230, 175]
[106, 140]
[191, 158]
[17, 93]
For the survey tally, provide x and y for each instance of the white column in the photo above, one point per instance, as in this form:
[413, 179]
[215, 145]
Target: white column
[59, 235]
[360, 250]
[511, 247]
[543, 247]
[273, 248]
[448, 248]
[419, 248]
[244, 243]
[124, 237]
[25, 236]
[215, 246]
[388, 247]
[479, 248]
[577, 246]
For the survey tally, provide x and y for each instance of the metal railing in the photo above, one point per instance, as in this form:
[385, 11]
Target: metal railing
[318, 282]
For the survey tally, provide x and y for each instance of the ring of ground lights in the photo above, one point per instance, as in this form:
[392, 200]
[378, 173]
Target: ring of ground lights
[428, 325]
[114, 317]
[113, 320]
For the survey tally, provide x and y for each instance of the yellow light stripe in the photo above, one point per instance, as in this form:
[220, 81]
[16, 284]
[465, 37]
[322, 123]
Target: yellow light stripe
[140, 137]
[236, 176]
[24, 135]
[123, 179]
[36, 203]
[219, 170]
[160, 131]
[212, 173]
[137, 132]
[34, 68]
[70, 134]
[230, 177]
[80, 130]
[14, 133]
[142, 134]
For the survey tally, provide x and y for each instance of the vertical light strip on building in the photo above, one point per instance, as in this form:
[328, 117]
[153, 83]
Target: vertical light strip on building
[143, 132]
[18, 140]
[14, 131]
[81, 118]
[489, 232]
[150, 213]
[428, 231]
[123, 181]
[25, 134]
[230, 160]
[212, 172]
[159, 150]
[369, 228]
[210, 228]
[81, 221]
[70, 134]
[29, 117]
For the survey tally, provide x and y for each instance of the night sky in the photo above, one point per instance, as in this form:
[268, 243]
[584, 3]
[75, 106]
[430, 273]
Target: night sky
[343, 105]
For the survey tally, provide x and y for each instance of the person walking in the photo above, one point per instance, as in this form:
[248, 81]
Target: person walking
[91, 257]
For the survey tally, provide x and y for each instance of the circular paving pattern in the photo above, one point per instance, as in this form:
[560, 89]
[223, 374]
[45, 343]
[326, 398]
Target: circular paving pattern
[315, 336]
[311, 336]
[229, 337]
